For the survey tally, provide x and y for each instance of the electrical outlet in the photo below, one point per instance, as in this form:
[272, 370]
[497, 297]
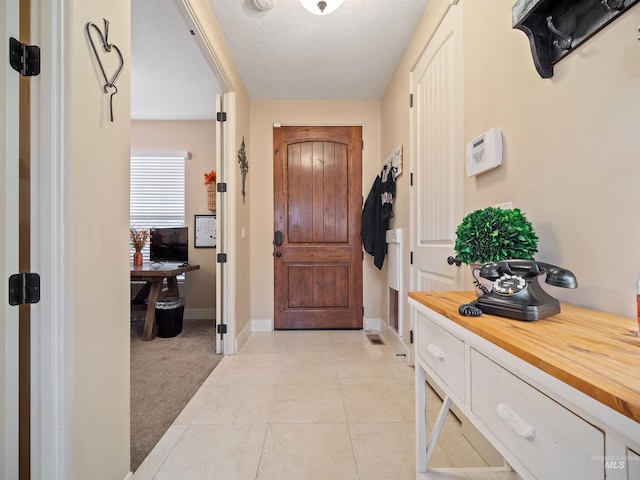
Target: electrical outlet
[505, 205]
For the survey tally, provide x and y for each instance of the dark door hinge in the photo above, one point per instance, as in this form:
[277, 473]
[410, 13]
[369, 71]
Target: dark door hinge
[222, 258]
[411, 258]
[410, 336]
[363, 311]
[24, 59]
[221, 187]
[222, 329]
[24, 288]
[411, 100]
[411, 179]
[221, 116]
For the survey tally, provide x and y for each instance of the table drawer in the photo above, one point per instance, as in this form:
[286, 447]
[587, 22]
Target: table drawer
[443, 352]
[550, 441]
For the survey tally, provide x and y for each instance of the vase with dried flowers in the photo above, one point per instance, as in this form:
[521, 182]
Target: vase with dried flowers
[138, 239]
[210, 182]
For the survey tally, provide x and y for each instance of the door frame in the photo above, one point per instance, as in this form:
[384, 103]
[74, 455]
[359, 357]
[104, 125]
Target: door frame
[52, 363]
[51, 348]
[225, 163]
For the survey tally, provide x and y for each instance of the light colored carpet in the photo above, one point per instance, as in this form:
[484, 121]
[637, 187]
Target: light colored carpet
[165, 374]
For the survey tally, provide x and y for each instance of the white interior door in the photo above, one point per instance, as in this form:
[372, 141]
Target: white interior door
[220, 217]
[225, 204]
[9, 134]
[438, 157]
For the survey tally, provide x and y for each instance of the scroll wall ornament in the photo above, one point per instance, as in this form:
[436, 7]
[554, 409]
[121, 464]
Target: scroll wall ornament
[109, 81]
[244, 166]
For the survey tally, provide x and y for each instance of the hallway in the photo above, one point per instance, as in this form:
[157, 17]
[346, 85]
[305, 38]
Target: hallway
[303, 405]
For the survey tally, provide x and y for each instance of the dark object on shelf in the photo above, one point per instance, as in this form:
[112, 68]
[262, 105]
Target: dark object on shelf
[469, 310]
[556, 27]
[516, 292]
[169, 315]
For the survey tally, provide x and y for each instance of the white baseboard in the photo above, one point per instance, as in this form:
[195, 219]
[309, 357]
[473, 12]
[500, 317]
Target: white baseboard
[243, 336]
[199, 313]
[394, 341]
[129, 476]
[262, 325]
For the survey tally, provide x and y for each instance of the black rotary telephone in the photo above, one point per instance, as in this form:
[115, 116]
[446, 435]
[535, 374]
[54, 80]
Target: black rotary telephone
[516, 292]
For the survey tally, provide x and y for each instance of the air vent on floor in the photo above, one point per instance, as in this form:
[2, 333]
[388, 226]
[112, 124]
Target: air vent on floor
[375, 339]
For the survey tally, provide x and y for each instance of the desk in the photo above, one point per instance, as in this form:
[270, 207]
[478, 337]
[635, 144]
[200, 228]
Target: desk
[565, 389]
[155, 279]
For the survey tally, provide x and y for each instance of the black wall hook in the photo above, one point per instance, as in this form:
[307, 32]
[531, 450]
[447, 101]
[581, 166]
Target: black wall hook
[564, 40]
[109, 82]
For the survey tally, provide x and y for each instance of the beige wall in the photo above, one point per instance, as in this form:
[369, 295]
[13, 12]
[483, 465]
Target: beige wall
[571, 148]
[264, 114]
[242, 223]
[198, 138]
[98, 211]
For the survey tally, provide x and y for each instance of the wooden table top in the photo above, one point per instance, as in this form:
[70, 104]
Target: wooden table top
[161, 270]
[594, 352]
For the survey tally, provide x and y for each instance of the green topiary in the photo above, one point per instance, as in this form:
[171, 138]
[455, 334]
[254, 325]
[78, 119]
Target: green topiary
[493, 234]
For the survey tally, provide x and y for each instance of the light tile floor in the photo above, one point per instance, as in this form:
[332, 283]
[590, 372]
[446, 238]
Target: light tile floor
[304, 405]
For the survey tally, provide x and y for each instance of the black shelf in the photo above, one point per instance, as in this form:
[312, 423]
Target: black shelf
[557, 27]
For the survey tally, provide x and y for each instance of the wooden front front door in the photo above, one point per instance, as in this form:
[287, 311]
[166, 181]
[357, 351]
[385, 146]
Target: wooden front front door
[317, 223]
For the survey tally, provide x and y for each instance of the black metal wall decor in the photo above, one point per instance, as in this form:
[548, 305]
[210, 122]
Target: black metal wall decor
[244, 166]
[557, 27]
[109, 81]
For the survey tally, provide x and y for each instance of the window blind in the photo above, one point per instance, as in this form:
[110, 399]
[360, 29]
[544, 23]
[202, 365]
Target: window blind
[157, 191]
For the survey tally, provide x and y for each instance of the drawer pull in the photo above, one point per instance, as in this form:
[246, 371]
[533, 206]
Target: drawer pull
[519, 426]
[434, 351]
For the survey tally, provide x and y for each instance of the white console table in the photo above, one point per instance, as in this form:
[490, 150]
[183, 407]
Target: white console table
[559, 398]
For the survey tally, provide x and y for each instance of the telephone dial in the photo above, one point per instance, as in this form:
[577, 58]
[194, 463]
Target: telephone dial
[516, 292]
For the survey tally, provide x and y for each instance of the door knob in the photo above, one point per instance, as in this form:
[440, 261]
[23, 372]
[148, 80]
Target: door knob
[278, 254]
[452, 260]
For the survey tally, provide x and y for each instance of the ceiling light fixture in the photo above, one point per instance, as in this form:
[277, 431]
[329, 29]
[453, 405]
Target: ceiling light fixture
[263, 4]
[321, 7]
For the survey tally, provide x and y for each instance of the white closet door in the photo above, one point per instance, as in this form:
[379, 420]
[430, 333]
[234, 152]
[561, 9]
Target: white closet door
[438, 157]
[9, 180]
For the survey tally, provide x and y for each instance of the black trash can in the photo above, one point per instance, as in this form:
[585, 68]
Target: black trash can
[169, 313]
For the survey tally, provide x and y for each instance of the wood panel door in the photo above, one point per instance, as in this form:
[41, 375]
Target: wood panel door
[317, 223]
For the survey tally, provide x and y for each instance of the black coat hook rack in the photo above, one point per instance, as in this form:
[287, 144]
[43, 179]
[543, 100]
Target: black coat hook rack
[555, 28]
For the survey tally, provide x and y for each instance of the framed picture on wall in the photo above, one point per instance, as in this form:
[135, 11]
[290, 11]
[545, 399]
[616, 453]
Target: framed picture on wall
[205, 228]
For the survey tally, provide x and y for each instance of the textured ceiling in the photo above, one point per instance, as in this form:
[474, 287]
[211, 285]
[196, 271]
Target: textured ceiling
[282, 53]
[170, 79]
[288, 53]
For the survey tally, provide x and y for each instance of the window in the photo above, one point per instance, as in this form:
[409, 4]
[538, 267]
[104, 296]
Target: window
[157, 191]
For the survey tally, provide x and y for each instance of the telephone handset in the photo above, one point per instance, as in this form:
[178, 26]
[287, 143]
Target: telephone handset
[516, 292]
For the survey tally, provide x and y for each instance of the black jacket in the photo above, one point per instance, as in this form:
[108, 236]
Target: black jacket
[373, 228]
